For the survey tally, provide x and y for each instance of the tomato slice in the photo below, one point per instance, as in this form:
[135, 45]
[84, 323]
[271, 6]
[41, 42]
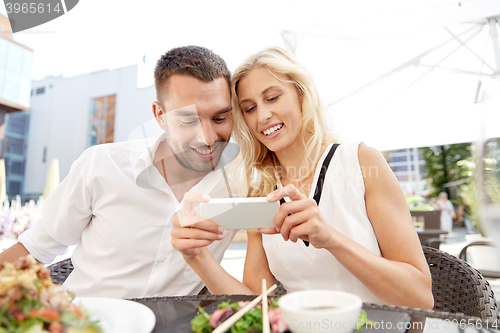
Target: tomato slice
[49, 314]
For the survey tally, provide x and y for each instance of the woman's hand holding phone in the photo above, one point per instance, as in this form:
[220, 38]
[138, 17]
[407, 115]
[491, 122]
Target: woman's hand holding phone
[299, 219]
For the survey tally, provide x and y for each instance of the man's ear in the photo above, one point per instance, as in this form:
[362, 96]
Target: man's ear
[159, 114]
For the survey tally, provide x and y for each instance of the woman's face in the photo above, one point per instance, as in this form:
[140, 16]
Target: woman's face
[271, 109]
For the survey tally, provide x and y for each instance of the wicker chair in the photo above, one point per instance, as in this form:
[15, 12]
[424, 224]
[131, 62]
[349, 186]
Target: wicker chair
[487, 273]
[458, 287]
[60, 270]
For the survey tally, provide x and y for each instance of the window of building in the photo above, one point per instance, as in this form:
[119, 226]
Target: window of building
[17, 168]
[14, 188]
[101, 120]
[40, 90]
[399, 168]
[14, 146]
[399, 159]
[17, 124]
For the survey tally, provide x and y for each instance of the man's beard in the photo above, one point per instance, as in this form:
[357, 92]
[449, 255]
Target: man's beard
[190, 162]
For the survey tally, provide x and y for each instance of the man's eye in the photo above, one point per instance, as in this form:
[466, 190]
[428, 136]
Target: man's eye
[188, 123]
[219, 120]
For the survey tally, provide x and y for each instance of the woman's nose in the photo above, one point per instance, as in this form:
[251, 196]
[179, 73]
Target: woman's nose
[264, 114]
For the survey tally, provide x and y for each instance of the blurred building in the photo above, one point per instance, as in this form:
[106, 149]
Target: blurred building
[16, 137]
[407, 166]
[68, 115]
[16, 61]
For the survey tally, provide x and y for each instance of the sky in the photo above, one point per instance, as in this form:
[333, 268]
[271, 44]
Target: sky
[344, 44]
[107, 34]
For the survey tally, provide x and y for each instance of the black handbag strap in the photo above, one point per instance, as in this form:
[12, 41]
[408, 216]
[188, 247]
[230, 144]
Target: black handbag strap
[321, 178]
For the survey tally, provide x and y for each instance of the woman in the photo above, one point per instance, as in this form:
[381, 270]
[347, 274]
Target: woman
[361, 235]
[447, 212]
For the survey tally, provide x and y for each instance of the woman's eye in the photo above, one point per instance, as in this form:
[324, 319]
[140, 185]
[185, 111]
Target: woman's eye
[250, 109]
[272, 99]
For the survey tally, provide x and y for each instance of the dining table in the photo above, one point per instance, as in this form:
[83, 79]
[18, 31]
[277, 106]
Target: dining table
[174, 315]
[427, 234]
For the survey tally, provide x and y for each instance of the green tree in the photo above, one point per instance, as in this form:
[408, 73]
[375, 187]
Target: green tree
[442, 165]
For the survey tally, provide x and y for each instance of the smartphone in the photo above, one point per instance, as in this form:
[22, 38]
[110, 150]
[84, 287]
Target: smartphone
[240, 213]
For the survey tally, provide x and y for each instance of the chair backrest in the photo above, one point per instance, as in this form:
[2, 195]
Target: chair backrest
[60, 270]
[458, 287]
[432, 219]
[483, 256]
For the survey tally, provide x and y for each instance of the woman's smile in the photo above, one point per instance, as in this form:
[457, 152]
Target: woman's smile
[270, 132]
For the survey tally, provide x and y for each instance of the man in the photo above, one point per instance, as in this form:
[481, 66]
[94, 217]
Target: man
[118, 199]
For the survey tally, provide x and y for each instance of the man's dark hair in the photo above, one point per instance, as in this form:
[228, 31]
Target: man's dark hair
[196, 61]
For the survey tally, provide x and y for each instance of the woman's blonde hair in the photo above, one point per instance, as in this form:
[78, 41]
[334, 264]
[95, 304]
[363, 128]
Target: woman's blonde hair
[260, 165]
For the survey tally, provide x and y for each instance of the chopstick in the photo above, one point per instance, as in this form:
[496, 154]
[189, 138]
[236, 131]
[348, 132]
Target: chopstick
[234, 318]
[265, 314]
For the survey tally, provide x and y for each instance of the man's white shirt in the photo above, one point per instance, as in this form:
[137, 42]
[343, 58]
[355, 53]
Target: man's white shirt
[117, 208]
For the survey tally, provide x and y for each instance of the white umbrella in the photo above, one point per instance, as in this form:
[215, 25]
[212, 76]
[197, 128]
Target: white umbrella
[423, 92]
[52, 179]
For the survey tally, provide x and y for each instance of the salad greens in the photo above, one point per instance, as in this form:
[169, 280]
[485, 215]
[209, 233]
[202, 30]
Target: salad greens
[250, 322]
[364, 321]
[31, 303]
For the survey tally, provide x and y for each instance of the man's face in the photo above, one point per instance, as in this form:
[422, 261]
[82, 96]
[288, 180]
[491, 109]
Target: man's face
[197, 120]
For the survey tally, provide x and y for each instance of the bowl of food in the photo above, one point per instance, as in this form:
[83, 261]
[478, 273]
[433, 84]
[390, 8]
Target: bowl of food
[31, 302]
[322, 311]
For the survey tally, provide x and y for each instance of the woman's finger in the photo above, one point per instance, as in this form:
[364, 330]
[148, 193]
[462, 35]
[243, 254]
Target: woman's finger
[293, 221]
[292, 207]
[301, 231]
[288, 191]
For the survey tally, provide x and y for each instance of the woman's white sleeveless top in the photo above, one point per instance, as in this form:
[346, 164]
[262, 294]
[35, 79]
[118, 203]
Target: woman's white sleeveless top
[342, 204]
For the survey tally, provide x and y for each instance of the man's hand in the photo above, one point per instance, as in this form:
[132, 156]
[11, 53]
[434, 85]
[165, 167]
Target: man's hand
[12, 253]
[191, 233]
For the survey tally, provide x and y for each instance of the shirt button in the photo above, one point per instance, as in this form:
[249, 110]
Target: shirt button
[162, 260]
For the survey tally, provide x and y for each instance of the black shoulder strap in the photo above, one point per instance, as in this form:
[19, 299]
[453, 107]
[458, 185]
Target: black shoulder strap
[322, 173]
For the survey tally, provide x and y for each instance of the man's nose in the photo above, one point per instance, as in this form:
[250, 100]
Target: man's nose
[207, 134]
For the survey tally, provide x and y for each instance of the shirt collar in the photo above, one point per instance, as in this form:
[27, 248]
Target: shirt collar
[142, 167]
